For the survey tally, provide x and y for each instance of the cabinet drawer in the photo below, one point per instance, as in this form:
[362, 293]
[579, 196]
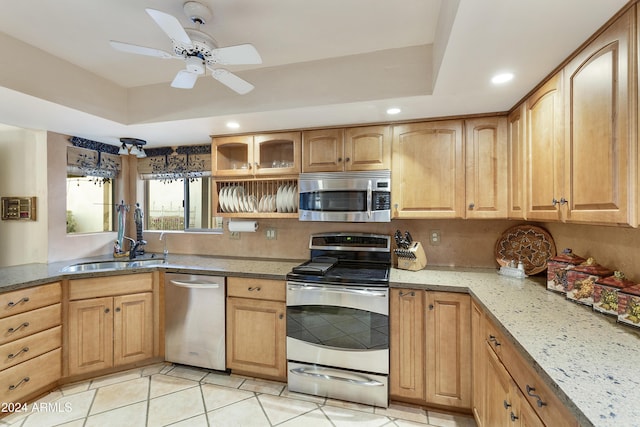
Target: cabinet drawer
[256, 288]
[28, 299]
[538, 394]
[29, 347]
[29, 377]
[495, 339]
[95, 287]
[24, 324]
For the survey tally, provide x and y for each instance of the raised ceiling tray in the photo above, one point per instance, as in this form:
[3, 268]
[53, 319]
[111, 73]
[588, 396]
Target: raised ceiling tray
[531, 245]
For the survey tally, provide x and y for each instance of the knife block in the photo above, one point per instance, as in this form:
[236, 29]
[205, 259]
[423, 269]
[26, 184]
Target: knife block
[413, 258]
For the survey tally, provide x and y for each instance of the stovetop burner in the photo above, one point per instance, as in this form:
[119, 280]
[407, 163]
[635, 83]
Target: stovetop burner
[346, 258]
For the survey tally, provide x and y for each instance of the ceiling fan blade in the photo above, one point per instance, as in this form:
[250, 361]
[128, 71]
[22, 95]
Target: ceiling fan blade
[184, 80]
[232, 81]
[171, 26]
[140, 50]
[240, 54]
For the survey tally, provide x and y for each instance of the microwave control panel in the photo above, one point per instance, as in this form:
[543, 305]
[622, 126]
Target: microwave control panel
[381, 200]
[19, 208]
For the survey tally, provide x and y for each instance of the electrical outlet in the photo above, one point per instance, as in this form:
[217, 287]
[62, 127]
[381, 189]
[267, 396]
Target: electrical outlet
[270, 233]
[434, 237]
[234, 235]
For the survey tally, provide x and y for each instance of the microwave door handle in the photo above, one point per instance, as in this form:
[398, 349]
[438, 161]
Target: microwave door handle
[369, 197]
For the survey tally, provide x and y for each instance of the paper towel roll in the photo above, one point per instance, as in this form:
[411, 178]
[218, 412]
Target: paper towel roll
[243, 226]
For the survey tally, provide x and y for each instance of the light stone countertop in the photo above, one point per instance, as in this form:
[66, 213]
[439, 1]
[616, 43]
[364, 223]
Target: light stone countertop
[592, 363]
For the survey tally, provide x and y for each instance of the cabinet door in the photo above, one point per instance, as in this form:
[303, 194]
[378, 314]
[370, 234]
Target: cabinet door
[516, 143]
[486, 167]
[232, 156]
[598, 104]
[497, 381]
[428, 170]
[323, 150]
[448, 354]
[90, 335]
[367, 148]
[478, 364]
[277, 153]
[132, 328]
[256, 333]
[406, 378]
[545, 151]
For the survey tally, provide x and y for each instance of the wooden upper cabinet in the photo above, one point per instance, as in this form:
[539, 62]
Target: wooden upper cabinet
[486, 167]
[352, 149]
[598, 104]
[427, 174]
[367, 148]
[516, 143]
[545, 151]
[255, 155]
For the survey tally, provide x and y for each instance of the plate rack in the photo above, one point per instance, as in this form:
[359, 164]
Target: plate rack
[248, 198]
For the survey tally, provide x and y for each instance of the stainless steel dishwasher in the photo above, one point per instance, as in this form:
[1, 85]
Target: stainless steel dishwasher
[195, 320]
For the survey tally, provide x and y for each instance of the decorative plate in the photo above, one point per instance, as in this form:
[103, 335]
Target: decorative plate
[531, 245]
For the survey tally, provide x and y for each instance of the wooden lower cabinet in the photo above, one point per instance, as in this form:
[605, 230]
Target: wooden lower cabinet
[109, 331]
[504, 385]
[256, 328]
[430, 357]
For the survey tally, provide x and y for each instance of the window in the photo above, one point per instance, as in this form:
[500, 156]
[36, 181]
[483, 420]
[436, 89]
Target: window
[181, 204]
[89, 204]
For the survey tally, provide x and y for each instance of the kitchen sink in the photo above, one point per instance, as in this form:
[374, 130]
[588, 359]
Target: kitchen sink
[111, 265]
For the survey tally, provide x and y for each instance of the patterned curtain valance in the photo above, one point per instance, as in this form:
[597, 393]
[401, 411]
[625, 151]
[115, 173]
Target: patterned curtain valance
[167, 164]
[92, 163]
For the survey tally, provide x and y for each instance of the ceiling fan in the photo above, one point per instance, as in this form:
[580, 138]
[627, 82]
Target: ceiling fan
[198, 49]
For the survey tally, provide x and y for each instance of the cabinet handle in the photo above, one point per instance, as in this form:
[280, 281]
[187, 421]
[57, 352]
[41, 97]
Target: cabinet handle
[407, 294]
[539, 400]
[563, 201]
[106, 310]
[251, 289]
[12, 330]
[14, 355]
[13, 304]
[506, 404]
[471, 206]
[494, 340]
[513, 417]
[15, 386]
[554, 201]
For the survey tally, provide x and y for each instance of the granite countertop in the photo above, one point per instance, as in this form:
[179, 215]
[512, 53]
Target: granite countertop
[590, 360]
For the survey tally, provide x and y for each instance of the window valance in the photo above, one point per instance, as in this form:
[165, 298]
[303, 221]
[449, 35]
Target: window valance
[170, 164]
[92, 163]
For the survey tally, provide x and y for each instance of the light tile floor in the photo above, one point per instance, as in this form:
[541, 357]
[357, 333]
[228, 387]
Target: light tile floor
[181, 396]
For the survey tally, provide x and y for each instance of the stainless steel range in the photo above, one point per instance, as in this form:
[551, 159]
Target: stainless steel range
[338, 318]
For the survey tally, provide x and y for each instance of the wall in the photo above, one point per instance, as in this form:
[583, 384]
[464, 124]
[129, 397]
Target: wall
[464, 243]
[63, 246]
[22, 154]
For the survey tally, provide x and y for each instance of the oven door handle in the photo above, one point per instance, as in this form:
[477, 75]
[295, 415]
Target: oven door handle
[336, 289]
[366, 382]
[369, 199]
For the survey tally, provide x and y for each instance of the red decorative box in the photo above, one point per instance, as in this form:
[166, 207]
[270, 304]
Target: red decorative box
[581, 280]
[605, 293]
[557, 268]
[629, 306]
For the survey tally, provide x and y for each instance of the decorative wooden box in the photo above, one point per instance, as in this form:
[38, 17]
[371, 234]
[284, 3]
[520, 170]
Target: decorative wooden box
[557, 268]
[581, 280]
[605, 293]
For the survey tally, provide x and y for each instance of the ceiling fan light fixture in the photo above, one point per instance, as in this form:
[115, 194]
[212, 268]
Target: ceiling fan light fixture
[197, 12]
[195, 65]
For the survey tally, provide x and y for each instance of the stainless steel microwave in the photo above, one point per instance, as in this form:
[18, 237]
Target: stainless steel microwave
[345, 196]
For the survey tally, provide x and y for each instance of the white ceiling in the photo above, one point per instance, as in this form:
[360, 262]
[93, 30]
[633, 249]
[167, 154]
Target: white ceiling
[325, 62]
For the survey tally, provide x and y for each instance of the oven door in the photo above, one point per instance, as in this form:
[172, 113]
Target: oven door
[338, 325]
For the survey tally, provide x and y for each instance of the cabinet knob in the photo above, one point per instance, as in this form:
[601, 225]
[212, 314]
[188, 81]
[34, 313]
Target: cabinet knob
[117, 309]
[339, 159]
[554, 201]
[471, 206]
[348, 159]
[281, 316]
[431, 307]
[506, 404]
[562, 201]
[513, 417]
[106, 310]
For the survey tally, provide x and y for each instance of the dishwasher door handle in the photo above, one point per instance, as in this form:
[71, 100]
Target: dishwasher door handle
[195, 285]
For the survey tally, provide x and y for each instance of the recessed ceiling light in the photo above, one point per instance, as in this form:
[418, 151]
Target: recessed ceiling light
[501, 78]
[393, 111]
[233, 125]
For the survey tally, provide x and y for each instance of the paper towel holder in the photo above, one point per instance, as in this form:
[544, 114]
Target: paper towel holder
[238, 226]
